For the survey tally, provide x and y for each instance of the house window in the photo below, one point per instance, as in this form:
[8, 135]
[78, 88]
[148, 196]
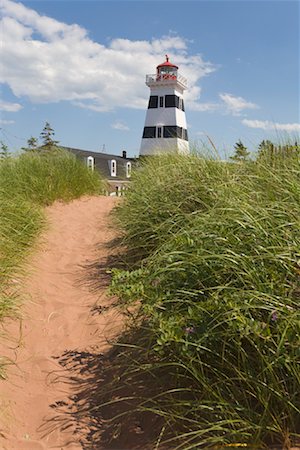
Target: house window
[149, 132]
[161, 102]
[113, 168]
[128, 169]
[159, 132]
[90, 162]
[172, 101]
[153, 101]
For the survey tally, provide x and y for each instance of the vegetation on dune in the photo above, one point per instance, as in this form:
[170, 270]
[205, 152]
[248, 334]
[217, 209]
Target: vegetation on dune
[213, 269]
[28, 182]
[45, 176]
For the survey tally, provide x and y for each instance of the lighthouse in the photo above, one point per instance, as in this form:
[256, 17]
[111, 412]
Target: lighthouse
[165, 129]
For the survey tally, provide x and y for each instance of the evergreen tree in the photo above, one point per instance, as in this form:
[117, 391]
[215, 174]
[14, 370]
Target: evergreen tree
[47, 137]
[4, 152]
[266, 148]
[32, 144]
[241, 153]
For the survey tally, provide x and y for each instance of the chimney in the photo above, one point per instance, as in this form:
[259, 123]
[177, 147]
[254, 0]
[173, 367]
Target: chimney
[124, 154]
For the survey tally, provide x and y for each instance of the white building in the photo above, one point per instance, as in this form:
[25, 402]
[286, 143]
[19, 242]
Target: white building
[165, 128]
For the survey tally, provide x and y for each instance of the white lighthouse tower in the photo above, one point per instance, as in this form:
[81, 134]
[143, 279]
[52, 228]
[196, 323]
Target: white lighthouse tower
[165, 128]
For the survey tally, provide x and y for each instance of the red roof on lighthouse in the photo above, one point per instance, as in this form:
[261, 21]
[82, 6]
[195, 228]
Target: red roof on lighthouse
[167, 63]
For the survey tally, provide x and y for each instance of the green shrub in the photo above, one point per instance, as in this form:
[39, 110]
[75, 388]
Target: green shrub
[218, 287]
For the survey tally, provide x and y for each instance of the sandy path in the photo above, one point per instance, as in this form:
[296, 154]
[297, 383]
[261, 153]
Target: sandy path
[57, 319]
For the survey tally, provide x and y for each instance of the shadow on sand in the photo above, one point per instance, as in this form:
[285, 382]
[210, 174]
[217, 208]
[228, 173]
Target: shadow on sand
[105, 409]
[108, 395]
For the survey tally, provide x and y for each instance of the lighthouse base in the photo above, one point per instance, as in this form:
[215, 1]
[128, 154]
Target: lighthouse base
[156, 146]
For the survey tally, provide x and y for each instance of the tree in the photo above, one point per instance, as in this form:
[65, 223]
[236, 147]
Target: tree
[4, 152]
[268, 151]
[241, 153]
[32, 144]
[266, 148]
[47, 137]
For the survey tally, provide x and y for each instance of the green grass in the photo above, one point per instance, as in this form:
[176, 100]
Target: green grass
[214, 265]
[43, 178]
[27, 183]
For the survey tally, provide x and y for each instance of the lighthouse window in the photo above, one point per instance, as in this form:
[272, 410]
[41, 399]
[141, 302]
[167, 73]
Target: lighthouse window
[149, 132]
[161, 102]
[159, 132]
[181, 104]
[170, 131]
[153, 101]
[172, 101]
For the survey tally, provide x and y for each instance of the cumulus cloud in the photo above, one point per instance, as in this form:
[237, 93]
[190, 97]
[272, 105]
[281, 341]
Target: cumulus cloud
[120, 126]
[235, 105]
[49, 61]
[10, 107]
[267, 125]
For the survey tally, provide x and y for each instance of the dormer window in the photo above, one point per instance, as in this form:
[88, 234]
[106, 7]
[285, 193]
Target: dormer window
[128, 169]
[90, 162]
[113, 168]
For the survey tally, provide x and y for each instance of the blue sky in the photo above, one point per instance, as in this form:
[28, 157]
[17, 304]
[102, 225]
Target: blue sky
[81, 65]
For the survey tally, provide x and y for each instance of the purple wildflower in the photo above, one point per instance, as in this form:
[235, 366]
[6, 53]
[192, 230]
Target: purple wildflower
[274, 316]
[190, 330]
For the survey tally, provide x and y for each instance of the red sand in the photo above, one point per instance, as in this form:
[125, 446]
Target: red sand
[56, 317]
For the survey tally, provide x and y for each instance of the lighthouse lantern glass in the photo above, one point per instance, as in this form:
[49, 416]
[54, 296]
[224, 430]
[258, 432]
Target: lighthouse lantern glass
[165, 71]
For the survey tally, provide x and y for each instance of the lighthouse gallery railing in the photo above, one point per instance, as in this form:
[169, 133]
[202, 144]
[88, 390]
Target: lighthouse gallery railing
[152, 78]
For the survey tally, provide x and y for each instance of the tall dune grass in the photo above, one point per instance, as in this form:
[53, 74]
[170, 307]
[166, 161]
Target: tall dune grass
[43, 178]
[216, 277]
[28, 182]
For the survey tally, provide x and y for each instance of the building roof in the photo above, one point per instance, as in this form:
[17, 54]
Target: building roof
[103, 162]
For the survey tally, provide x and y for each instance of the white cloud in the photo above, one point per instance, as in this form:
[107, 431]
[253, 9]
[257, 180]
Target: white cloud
[6, 122]
[267, 125]
[120, 126]
[204, 106]
[10, 107]
[50, 61]
[235, 105]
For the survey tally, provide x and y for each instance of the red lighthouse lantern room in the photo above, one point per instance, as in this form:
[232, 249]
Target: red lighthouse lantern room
[166, 71]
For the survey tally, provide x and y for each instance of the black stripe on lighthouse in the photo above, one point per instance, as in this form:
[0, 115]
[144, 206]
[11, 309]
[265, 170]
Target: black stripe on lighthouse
[169, 131]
